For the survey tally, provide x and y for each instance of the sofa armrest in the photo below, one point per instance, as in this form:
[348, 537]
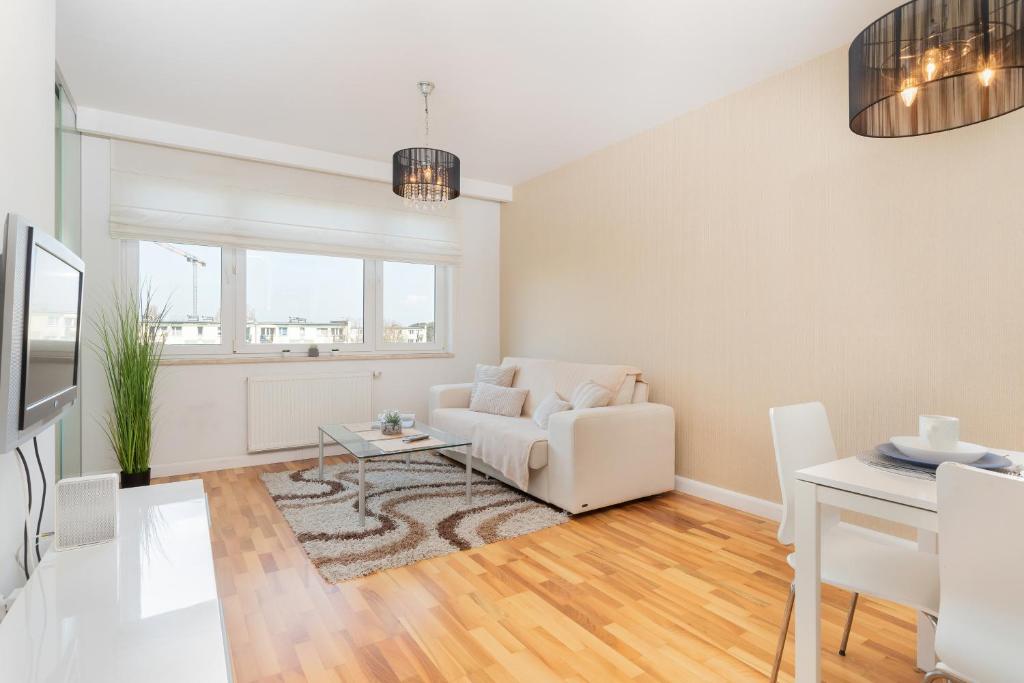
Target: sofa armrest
[449, 396]
[602, 456]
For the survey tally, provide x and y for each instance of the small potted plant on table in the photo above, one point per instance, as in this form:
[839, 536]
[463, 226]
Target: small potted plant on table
[390, 422]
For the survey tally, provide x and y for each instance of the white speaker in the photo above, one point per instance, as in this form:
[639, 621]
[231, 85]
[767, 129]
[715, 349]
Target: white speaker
[85, 511]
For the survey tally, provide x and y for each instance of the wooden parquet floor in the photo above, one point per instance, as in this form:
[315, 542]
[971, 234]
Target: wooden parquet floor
[670, 588]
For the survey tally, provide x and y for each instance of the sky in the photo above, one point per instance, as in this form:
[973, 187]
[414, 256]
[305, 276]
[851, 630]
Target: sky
[283, 285]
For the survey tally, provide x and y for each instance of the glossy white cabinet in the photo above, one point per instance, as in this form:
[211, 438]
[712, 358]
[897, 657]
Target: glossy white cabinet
[141, 608]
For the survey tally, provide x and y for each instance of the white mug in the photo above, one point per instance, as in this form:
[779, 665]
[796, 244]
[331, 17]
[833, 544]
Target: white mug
[941, 432]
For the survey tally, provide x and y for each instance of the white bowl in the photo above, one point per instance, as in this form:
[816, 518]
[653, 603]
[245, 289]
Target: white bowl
[917, 447]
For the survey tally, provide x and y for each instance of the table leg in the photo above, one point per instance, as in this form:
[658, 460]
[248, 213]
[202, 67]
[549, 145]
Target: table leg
[321, 453]
[927, 542]
[469, 478]
[808, 583]
[408, 459]
[362, 493]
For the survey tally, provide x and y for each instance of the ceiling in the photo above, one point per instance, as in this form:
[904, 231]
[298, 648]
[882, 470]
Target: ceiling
[523, 86]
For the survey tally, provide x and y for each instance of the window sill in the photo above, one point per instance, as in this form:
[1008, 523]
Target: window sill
[242, 359]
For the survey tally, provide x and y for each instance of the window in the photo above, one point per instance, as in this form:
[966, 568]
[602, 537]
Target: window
[187, 278]
[303, 296]
[408, 300]
[233, 300]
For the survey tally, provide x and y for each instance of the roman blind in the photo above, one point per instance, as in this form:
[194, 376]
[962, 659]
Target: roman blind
[169, 195]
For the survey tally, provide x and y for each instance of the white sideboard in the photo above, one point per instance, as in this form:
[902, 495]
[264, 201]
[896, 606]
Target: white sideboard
[141, 608]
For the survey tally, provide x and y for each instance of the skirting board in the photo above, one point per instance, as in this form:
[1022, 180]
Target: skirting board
[766, 509]
[738, 501]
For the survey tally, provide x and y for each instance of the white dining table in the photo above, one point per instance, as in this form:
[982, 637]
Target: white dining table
[850, 484]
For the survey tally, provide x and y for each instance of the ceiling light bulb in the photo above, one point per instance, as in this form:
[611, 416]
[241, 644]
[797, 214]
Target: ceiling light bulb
[931, 59]
[908, 94]
[986, 75]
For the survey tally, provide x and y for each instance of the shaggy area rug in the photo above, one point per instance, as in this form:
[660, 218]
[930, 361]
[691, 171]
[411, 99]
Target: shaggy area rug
[414, 512]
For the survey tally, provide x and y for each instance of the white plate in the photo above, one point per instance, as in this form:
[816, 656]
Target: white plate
[917, 448]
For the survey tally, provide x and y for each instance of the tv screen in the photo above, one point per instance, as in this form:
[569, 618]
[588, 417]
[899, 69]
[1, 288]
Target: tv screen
[50, 375]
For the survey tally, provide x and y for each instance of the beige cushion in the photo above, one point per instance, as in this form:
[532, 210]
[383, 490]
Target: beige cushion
[543, 377]
[498, 375]
[465, 422]
[489, 398]
[548, 407]
[590, 395]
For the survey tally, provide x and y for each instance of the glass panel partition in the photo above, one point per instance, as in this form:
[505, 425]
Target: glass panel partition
[68, 229]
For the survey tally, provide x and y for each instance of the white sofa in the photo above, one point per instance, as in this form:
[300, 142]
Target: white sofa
[586, 459]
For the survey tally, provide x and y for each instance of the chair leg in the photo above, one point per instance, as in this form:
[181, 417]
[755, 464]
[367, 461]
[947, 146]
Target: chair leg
[786, 615]
[849, 623]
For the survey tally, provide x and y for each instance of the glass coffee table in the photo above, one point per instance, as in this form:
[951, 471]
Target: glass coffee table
[363, 442]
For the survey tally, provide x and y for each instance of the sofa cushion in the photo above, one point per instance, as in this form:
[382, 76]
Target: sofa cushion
[465, 422]
[543, 377]
[548, 407]
[590, 395]
[498, 375]
[490, 398]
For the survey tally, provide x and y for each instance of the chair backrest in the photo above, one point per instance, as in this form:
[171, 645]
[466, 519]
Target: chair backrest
[802, 438]
[981, 573]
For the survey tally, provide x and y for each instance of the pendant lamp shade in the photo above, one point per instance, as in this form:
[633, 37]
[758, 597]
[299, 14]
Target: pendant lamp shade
[425, 177]
[935, 65]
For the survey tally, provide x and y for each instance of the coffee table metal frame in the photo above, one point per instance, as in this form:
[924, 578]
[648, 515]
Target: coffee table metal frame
[362, 450]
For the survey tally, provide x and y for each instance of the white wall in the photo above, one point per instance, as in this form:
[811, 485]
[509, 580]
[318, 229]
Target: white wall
[201, 409]
[27, 69]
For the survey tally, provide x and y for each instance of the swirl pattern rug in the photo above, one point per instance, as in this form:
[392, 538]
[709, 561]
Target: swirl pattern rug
[414, 511]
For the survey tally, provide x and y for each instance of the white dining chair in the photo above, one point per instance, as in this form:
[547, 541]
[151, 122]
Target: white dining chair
[981, 557]
[852, 558]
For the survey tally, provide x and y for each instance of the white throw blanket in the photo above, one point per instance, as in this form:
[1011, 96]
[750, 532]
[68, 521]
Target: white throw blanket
[504, 443]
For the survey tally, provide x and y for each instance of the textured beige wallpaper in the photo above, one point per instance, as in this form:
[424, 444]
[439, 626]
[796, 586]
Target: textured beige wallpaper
[756, 253]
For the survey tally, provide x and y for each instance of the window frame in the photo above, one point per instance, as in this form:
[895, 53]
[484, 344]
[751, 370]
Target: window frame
[233, 311]
[440, 312]
[130, 254]
[243, 347]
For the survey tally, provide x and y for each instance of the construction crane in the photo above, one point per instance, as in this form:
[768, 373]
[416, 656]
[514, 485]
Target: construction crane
[196, 264]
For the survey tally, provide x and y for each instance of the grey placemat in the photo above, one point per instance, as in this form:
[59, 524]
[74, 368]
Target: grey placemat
[884, 462]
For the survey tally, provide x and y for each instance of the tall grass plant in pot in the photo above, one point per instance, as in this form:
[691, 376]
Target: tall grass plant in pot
[130, 346]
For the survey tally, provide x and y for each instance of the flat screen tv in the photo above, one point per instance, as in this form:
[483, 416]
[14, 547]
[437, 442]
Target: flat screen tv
[42, 284]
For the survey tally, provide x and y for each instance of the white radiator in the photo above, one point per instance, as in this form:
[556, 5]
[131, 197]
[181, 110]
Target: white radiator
[284, 412]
